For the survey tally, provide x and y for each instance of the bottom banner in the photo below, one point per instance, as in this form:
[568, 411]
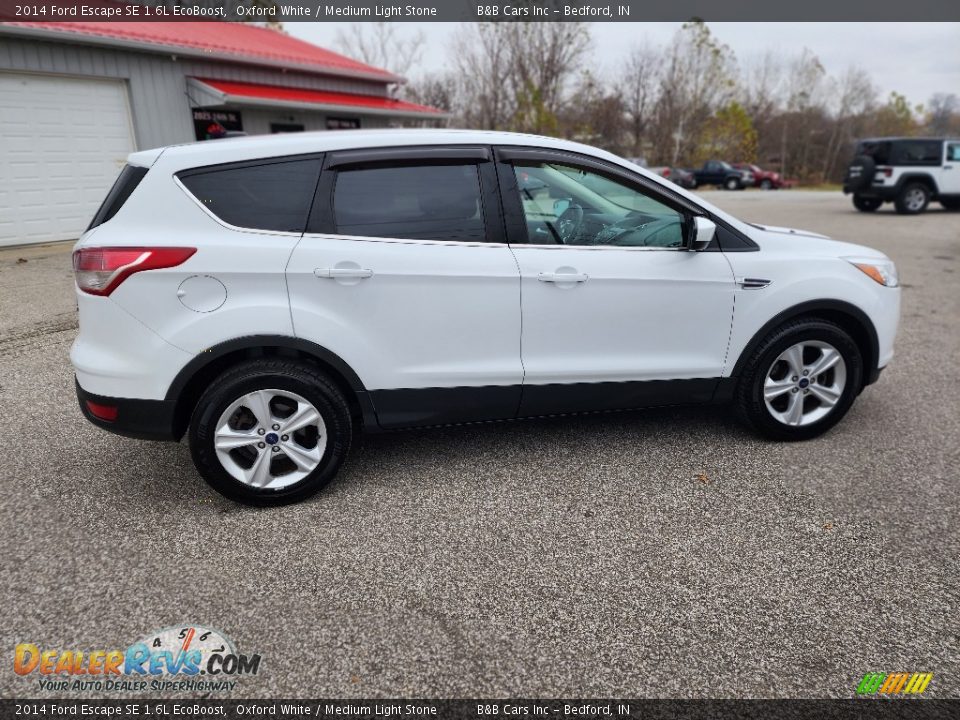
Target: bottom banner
[489, 709]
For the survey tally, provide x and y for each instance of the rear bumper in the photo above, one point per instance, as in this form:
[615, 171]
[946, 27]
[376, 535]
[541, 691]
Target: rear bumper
[142, 419]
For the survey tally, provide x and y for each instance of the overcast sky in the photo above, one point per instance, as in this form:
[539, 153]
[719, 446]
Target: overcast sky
[916, 59]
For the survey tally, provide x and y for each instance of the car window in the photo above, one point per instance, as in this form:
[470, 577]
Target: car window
[418, 202]
[122, 189]
[567, 205]
[916, 152]
[270, 196]
[953, 152]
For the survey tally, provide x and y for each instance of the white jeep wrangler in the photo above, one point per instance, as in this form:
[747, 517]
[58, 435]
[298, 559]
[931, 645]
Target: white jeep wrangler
[910, 172]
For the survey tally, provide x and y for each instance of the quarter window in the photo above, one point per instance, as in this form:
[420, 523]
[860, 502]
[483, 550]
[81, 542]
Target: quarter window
[418, 202]
[271, 196]
[566, 205]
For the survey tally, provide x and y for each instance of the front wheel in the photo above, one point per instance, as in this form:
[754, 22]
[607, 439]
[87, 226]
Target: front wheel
[800, 381]
[866, 204]
[270, 432]
[766, 184]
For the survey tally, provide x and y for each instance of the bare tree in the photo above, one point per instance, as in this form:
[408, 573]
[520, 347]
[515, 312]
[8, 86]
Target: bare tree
[853, 94]
[383, 45]
[639, 88]
[699, 78]
[943, 114]
[514, 75]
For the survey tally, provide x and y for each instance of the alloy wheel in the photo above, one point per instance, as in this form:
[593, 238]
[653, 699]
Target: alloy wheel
[805, 383]
[270, 438]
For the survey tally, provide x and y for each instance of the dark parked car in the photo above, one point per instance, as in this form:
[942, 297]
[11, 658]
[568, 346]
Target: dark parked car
[683, 178]
[722, 174]
[763, 179]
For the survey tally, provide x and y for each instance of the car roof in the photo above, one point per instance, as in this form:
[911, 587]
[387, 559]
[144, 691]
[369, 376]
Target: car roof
[899, 138]
[215, 152]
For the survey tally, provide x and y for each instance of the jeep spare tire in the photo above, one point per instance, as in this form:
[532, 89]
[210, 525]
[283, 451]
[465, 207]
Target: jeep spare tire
[860, 173]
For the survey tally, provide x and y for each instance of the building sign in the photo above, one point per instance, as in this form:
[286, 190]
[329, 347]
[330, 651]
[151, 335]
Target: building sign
[335, 123]
[213, 124]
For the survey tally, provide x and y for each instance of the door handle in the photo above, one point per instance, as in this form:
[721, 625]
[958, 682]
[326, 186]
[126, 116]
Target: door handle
[563, 277]
[343, 273]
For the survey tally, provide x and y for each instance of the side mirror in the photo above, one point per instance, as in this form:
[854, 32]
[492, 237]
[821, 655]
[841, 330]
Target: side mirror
[703, 231]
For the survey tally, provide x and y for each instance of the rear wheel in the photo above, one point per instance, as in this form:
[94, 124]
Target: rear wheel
[270, 432]
[800, 381]
[732, 184]
[913, 199]
[866, 204]
[766, 184]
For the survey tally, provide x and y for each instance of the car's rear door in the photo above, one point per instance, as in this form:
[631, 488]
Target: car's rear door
[616, 312]
[404, 273]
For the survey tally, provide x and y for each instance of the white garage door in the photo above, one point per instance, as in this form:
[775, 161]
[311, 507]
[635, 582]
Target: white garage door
[62, 143]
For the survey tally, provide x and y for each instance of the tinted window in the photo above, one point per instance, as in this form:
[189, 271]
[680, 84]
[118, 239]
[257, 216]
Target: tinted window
[566, 205]
[274, 196]
[953, 152]
[916, 152]
[123, 187]
[420, 202]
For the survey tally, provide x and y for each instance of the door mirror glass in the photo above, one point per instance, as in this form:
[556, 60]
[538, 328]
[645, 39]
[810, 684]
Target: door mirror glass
[703, 231]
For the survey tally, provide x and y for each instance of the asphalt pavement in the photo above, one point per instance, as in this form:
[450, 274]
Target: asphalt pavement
[663, 553]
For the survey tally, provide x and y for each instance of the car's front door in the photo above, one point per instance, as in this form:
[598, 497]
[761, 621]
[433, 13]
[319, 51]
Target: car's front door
[405, 275]
[616, 312]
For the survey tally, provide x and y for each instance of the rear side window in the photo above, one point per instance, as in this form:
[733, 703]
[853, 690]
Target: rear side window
[916, 152]
[123, 187]
[265, 196]
[419, 202]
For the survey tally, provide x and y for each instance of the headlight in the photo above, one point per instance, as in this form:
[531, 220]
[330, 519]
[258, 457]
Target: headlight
[881, 271]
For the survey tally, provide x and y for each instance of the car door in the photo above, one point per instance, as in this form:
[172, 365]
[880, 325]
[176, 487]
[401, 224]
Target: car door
[713, 173]
[404, 274]
[616, 312]
[949, 180]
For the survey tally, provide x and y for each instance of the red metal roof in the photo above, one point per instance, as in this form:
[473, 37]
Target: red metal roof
[239, 90]
[220, 40]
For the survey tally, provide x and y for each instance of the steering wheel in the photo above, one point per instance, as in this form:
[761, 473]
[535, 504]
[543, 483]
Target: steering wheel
[569, 223]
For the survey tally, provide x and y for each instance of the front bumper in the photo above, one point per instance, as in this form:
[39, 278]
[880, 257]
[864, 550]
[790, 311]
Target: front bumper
[142, 419]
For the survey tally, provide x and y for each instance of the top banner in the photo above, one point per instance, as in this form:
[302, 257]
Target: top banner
[420, 11]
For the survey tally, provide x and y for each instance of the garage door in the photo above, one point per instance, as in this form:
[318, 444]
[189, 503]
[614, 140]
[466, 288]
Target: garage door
[62, 143]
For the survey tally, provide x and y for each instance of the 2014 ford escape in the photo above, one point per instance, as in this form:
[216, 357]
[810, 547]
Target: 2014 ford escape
[269, 297]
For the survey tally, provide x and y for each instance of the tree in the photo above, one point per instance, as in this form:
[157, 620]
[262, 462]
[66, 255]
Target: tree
[697, 79]
[896, 117]
[943, 114]
[730, 134]
[639, 89]
[382, 45]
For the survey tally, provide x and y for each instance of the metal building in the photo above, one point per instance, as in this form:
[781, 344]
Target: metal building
[77, 97]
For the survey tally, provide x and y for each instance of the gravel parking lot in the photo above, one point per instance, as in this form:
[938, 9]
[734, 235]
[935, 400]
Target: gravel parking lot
[665, 553]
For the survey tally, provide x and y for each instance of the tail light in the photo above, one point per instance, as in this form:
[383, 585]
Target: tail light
[885, 171]
[103, 412]
[99, 271]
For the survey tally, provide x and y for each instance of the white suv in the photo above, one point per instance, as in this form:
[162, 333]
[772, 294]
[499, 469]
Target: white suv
[271, 296]
[909, 172]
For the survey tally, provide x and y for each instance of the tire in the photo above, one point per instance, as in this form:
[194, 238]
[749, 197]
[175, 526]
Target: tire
[276, 389]
[732, 184]
[766, 369]
[951, 204]
[766, 184]
[912, 199]
[866, 204]
[860, 173]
